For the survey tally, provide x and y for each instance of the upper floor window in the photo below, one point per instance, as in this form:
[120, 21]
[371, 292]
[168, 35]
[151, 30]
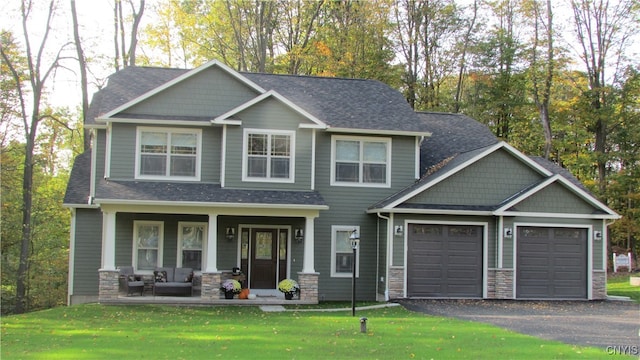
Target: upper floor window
[268, 155]
[168, 153]
[361, 161]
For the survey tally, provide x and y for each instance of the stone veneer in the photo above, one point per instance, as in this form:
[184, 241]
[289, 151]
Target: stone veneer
[599, 285]
[396, 282]
[500, 284]
[210, 289]
[109, 286]
[308, 287]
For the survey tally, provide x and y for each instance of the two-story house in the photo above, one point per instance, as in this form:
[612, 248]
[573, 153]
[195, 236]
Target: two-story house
[213, 169]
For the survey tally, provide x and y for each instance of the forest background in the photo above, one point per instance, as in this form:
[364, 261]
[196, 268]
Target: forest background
[557, 80]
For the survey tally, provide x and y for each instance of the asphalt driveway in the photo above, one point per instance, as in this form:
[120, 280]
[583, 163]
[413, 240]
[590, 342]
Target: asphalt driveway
[589, 323]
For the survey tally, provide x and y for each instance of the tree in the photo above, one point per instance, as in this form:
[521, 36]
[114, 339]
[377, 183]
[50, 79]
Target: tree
[82, 64]
[35, 78]
[542, 66]
[122, 53]
[602, 30]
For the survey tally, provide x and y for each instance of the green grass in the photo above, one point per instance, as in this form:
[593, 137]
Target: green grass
[619, 285]
[164, 332]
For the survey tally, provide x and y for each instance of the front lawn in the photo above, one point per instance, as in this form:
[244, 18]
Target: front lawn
[164, 332]
[618, 284]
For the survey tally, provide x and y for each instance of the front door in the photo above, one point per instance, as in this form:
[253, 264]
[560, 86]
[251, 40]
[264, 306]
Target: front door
[264, 258]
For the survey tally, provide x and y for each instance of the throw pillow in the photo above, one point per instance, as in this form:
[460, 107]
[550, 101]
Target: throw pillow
[160, 276]
[189, 278]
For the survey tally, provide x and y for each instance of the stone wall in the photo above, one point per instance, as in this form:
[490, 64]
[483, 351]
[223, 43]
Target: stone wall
[308, 283]
[108, 287]
[599, 282]
[210, 288]
[396, 282]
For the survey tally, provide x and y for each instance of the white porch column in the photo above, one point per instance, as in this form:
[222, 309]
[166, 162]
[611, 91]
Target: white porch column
[108, 240]
[308, 265]
[212, 245]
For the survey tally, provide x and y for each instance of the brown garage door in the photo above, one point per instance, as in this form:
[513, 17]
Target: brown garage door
[444, 261]
[551, 263]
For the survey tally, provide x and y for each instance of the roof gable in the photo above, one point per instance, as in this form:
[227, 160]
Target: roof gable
[137, 105]
[227, 118]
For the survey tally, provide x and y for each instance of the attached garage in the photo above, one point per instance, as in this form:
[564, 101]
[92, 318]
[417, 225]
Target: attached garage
[551, 263]
[445, 261]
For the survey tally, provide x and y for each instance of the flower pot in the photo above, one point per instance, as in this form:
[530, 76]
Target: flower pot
[288, 296]
[229, 294]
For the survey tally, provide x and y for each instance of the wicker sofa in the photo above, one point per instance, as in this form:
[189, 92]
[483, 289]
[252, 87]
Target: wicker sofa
[173, 281]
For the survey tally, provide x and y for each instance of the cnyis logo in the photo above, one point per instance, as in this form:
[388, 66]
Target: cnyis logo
[623, 350]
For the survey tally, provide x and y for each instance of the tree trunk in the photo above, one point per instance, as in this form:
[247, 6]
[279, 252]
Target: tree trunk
[83, 74]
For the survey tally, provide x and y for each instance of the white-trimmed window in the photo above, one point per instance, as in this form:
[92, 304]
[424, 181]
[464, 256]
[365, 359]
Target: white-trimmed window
[168, 153]
[360, 161]
[192, 242]
[268, 155]
[148, 237]
[342, 252]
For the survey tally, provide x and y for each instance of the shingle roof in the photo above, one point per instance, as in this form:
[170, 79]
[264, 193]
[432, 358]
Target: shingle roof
[79, 180]
[452, 134]
[338, 102]
[186, 192]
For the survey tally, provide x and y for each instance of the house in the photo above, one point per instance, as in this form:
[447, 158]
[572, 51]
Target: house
[213, 169]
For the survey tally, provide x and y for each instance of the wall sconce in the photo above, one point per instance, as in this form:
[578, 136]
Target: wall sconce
[508, 232]
[597, 235]
[397, 230]
[230, 234]
[299, 236]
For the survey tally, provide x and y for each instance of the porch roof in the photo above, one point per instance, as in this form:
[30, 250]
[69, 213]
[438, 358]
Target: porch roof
[198, 194]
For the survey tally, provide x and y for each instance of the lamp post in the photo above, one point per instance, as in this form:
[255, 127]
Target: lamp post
[355, 239]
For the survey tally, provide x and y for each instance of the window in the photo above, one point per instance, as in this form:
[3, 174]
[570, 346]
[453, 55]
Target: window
[342, 253]
[268, 155]
[147, 244]
[163, 153]
[192, 239]
[361, 161]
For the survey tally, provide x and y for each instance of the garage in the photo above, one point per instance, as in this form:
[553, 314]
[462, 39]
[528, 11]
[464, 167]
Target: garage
[551, 263]
[444, 261]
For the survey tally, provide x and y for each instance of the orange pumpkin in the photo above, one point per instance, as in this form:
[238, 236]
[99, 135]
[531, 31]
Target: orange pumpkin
[244, 294]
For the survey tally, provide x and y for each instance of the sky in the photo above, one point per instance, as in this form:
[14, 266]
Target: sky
[96, 29]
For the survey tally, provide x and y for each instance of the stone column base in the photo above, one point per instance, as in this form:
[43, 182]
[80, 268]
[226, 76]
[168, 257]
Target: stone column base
[108, 287]
[308, 287]
[599, 285]
[396, 282]
[210, 289]
[500, 284]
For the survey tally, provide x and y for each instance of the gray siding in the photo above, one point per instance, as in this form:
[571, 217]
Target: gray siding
[100, 153]
[271, 114]
[555, 198]
[123, 152]
[87, 253]
[486, 182]
[210, 93]
[347, 207]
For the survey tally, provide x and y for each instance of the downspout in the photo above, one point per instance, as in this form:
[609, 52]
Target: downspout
[386, 276]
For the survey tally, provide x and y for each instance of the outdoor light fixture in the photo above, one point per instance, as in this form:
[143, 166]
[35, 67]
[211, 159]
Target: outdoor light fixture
[231, 234]
[355, 240]
[299, 236]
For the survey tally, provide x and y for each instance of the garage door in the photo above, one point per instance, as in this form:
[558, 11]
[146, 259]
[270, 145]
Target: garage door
[551, 263]
[444, 261]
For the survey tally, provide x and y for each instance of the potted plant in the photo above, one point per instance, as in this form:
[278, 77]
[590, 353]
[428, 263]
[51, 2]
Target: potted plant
[289, 287]
[230, 288]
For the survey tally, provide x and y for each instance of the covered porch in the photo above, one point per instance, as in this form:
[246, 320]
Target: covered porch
[268, 244]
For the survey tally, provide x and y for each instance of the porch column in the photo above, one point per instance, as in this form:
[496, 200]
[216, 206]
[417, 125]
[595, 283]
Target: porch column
[108, 240]
[212, 245]
[308, 265]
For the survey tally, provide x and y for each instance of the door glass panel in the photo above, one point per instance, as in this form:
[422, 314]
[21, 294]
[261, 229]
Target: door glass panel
[244, 241]
[283, 245]
[264, 241]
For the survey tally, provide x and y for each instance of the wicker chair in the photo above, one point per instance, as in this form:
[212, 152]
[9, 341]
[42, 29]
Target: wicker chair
[130, 282]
